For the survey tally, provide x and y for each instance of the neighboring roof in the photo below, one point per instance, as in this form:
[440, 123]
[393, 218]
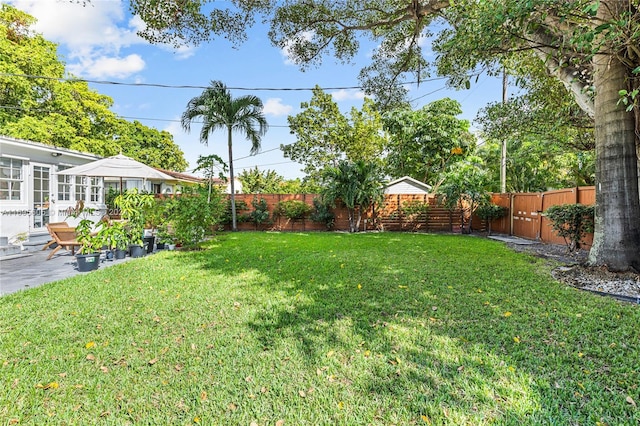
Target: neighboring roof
[50, 148]
[408, 180]
[181, 176]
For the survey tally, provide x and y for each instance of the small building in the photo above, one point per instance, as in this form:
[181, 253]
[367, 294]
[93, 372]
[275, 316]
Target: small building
[407, 185]
[32, 193]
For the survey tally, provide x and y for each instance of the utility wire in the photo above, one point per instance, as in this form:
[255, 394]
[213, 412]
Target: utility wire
[188, 86]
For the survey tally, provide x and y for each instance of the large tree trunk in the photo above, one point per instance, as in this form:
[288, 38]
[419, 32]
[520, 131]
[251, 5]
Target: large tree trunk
[616, 241]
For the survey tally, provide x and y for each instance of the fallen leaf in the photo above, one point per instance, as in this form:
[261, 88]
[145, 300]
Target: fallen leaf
[631, 401]
[359, 286]
[248, 379]
[62, 374]
[280, 423]
[153, 361]
[203, 396]
[104, 369]
[263, 390]
[232, 406]
[91, 357]
[330, 354]
[507, 314]
[302, 394]
[178, 367]
[340, 405]
[253, 424]
[516, 339]
[367, 354]
[461, 368]
[425, 419]
[89, 345]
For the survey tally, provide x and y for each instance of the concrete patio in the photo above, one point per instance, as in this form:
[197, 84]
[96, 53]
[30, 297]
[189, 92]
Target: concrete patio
[31, 268]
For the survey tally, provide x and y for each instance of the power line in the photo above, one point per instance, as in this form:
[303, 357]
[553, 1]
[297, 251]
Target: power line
[189, 86]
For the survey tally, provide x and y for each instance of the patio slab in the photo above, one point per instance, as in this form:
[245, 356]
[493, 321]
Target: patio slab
[32, 269]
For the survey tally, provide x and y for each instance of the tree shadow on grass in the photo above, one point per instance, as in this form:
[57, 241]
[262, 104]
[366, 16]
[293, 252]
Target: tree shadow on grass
[455, 329]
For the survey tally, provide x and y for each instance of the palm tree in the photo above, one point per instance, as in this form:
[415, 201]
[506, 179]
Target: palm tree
[357, 184]
[219, 110]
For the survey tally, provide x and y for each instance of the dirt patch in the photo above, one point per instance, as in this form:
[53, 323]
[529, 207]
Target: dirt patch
[575, 272]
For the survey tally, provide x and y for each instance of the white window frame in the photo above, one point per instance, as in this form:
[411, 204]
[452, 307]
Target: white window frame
[11, 181]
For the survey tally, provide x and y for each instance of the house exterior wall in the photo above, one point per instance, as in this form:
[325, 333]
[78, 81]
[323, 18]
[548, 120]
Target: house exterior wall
[39, 199]
[404, 187]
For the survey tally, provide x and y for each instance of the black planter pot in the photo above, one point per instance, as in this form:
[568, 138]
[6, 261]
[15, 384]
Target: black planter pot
[120, 254]
[136, 250]
[88, 262]
[160, 246]
[148, 244]
[109, 255]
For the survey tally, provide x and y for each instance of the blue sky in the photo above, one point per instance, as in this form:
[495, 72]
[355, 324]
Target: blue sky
[98, 42]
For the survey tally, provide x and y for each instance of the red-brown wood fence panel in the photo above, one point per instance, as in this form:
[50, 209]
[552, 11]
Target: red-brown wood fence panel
[524, 219]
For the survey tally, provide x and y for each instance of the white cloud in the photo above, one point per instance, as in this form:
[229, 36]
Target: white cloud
[344, 95]
[104, 67]
[95, 35]
[275, 107]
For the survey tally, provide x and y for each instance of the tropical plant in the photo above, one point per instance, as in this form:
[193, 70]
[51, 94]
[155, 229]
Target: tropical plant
[219, 110]
[255, 181]
[323, 213]
[132, 205]
[85, 229]
[325, 136]
[260, 213]
[571, 222]
[292, 209]
[194, 214]
[465, 186]
[208, 165]
[415, 211]
[113, 235]
[358, 185]
[490, 212]
[423, 143]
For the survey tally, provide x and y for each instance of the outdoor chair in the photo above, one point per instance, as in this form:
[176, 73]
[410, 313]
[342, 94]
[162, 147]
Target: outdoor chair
[65, 236]
[52, 241]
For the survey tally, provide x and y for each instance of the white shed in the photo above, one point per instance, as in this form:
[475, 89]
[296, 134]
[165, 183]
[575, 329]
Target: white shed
[407, 185]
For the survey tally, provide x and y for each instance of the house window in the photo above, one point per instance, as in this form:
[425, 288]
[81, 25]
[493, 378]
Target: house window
[157, 188]
[10, 179]
[96, 189]
[81, 188]
[65, 183]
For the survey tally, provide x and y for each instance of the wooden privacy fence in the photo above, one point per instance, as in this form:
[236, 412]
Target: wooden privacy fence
[391, 215]
[525, 219]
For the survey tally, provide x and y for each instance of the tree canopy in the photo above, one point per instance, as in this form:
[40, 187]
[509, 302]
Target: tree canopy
[55, 109]
[324, 136]
[422, 143]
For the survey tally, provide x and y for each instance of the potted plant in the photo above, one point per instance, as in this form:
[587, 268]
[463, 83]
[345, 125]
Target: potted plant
[163, 236]
[132, 205]
[114, 237]
[88, 256]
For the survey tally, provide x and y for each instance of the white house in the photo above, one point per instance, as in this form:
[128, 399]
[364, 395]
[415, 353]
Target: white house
[407, 185]
[32, 193]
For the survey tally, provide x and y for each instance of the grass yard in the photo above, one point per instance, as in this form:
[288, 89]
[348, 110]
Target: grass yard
[321, 328]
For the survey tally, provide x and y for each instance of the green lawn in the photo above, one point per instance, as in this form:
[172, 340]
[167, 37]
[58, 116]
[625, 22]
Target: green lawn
[320, 329]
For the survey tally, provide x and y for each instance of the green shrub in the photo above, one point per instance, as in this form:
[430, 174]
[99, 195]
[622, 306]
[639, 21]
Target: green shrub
[489, 212]
[571, 222]
[260, 213]
[240, 206]
[292, 209]
[322, 213]
[192, 217]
